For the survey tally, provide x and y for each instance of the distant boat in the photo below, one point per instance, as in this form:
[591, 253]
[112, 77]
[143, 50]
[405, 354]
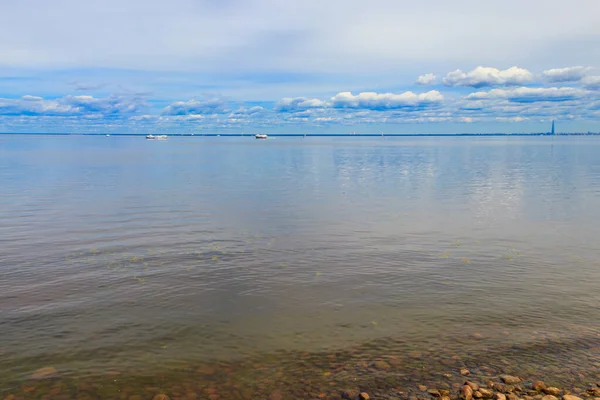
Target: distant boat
[107, 135]
[157, 137]
[260, 136]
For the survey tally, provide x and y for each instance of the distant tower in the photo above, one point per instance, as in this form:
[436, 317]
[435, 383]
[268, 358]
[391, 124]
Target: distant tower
[553, 127]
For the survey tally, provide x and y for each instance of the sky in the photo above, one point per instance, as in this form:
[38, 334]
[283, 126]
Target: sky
[310, 66]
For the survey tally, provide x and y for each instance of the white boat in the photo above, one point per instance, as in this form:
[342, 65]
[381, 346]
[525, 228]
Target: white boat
[157, 137]
[260, 136]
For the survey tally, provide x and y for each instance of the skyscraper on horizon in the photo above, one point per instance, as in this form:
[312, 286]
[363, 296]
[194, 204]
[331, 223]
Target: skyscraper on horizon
[553, 127]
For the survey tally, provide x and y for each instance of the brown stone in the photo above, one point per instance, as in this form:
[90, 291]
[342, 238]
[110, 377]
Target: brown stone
[465, 393]
[486, 393]
[422, 388]
[381, 365]
[509, 379]
[504, 388]
[478, 395]
[135, 397]
[349, 394]
[593, 392]
[499, 396]
[512, 396]
[554, 391]
[363, 396]
[444, 392]
[472, 385]
[445, 398]
[570, 397]
[434, 392]
[161, 396]
[549, 397]
[9, 397]
[538, 385]
[465, 371]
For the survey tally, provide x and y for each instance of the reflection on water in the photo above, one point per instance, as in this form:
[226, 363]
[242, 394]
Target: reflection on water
[129, 255]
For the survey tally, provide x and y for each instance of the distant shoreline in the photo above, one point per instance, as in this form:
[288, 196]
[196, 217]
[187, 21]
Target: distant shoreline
[315, 134]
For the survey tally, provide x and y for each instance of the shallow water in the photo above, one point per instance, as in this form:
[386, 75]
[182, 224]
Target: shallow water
[137, 257]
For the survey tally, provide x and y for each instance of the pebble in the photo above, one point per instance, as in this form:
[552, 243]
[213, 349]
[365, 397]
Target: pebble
[477, 395]
[499, 396]
[486, 393]
[554, 391]
[349, 394]
[434, 392]
[9, 397]
[549, 397]
[509, 379]
[466, 393]
[570, 397]
[512, 396]
[538, 385]
[161, 397]
[465, 372]
[422, 388]
[472, 385]
[381, 365]
[363, 396]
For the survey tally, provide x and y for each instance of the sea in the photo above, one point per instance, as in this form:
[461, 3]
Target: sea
[229, 267]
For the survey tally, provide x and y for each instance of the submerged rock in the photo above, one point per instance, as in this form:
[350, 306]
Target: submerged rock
[349, 394]
[434, 392]
[465, 371]
[549, 397]
[43, 373]
[472, 385]
[363, 396]
[554, 391]
[381, 365]
[499, 396]
[422, 388]
[486, 393]
[509, 379]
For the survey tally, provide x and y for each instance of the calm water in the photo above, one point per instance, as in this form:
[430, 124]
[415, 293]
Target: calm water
[121, 254]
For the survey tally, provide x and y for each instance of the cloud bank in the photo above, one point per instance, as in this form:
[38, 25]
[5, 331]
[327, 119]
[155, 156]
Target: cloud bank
[487, 76]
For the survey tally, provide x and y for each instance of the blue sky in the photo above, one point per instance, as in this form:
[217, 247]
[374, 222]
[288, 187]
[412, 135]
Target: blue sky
[299, 66]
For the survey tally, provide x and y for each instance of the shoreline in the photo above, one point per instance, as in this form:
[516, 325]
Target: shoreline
[427, 374]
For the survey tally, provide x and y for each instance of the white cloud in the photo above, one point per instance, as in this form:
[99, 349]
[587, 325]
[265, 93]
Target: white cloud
[569, 74]
[426, 79]
[87, 106]
[196, 107]
[529, 95]
[512, 119]
[591, 82]
[298, 104]
[386, 101]
[486, 76]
